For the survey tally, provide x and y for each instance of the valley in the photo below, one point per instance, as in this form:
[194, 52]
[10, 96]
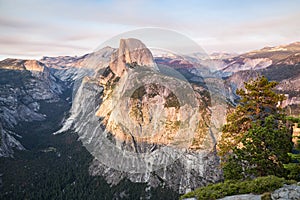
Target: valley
[120, 123]
[57, 166]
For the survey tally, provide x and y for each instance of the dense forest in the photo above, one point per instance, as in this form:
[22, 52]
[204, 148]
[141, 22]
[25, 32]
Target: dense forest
[57, 166]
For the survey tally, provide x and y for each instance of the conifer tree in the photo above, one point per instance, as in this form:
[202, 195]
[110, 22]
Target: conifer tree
[294, 166]
[255, 140]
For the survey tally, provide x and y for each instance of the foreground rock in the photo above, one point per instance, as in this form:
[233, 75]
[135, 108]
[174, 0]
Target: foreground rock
[243, 197]
[287, 192]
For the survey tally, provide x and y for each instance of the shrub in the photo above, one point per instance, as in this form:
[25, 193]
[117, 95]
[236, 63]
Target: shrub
[266, 196]
[257, 186]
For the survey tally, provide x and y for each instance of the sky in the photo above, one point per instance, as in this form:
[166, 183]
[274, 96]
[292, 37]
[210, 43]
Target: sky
[35, 28]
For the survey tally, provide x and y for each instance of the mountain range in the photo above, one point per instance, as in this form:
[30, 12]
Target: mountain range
[149, 119]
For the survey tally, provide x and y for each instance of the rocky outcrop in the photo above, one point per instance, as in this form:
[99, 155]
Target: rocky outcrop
[290, 192]
[12, 64]
[145, 124]
[243, 197]
[34, 66]
[130, 51]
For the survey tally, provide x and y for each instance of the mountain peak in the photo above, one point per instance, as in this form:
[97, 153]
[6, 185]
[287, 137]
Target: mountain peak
[295, 46]
[12, 64]
[34, 65]
[19, 64]
[132, 44]
[130, 51]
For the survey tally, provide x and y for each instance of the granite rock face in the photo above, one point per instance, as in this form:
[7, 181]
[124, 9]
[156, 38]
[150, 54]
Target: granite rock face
[113, 157]
[9, 142]
[25, 84]
[130, 51]
[144, 124]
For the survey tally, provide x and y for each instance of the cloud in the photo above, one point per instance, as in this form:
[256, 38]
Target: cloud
[59, 27]
[14, 23]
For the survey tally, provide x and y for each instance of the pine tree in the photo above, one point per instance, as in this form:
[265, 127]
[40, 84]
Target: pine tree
[255, 140]
[294, 166]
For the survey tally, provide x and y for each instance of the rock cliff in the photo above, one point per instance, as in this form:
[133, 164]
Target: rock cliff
[24, 85]
[146, 123]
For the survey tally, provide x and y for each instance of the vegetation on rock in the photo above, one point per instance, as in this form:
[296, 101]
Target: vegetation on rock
[257, 186]
[256, 139]
[256, 142]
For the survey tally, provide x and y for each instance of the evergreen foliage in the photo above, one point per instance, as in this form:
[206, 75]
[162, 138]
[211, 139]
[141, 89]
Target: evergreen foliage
[256, 140]
[294, 166]
[257, 186]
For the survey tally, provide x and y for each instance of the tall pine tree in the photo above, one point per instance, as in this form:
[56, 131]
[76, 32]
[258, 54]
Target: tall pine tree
[255, 140]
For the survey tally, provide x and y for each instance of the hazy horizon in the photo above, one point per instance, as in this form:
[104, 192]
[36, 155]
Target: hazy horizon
[33, 29]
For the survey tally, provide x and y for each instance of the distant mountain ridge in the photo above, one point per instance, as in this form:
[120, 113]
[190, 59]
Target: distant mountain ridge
[281, 64]
[264, 58]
